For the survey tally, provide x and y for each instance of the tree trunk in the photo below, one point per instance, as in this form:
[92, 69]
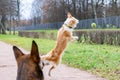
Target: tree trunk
[2, 23]
[18, 12]
[2, 29]
[74, 7]
[94, 11]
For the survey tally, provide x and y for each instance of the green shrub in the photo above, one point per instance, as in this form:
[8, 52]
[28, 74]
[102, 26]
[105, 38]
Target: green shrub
[111, 37]
[93, 25]
[39, 34]
[113, 26]
[108, 26]
[83, 38]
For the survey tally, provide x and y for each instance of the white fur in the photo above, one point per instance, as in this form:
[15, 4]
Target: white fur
[71, 29]
[68, 29]
[69, 19]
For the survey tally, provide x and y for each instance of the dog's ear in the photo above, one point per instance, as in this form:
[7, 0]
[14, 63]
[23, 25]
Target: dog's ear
[69, 15]
[17, 52]
[34, 52]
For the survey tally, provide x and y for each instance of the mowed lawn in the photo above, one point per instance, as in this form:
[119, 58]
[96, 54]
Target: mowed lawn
[103, 60]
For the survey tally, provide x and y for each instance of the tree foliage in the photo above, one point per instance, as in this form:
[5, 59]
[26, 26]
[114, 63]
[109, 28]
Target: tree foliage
[36, 12]
[55, 10]
[8, 10]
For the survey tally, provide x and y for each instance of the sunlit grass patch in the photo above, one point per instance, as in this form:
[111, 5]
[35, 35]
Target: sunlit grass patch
[103, 60]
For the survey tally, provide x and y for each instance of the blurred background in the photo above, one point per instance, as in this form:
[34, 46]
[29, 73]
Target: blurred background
[17, 13]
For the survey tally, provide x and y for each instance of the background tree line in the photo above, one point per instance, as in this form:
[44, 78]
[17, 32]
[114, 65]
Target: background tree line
[55, 10]
[46, 11]
[9, 12]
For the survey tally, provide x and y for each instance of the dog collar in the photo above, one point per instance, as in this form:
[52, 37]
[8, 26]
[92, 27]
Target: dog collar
[67, 26]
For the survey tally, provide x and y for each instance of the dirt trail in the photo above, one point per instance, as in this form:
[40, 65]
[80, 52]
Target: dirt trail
[8, 68]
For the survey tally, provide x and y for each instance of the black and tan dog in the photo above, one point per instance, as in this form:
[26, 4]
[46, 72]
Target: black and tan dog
[28, 64]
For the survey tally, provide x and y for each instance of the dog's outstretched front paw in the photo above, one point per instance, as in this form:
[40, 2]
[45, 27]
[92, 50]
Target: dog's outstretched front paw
[76, 37]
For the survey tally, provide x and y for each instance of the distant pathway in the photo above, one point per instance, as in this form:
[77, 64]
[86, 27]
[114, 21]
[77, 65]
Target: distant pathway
[8, 68]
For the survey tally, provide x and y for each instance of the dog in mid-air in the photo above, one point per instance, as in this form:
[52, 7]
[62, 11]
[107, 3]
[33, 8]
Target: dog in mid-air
[64, 36]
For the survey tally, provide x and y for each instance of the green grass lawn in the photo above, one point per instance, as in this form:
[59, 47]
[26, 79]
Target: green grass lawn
[103, 60]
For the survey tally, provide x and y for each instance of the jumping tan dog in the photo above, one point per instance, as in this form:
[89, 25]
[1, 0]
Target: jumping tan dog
[64, 36]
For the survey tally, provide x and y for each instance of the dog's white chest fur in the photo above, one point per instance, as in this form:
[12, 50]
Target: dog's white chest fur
[68, 29]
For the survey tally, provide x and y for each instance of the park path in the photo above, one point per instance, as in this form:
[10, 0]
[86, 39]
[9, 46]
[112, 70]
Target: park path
[8, 68]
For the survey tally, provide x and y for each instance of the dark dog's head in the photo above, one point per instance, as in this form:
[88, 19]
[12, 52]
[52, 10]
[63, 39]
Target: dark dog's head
[28, 64]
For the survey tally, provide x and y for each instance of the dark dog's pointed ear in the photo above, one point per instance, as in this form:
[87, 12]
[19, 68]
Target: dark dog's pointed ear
[17, 52]
[34, 52]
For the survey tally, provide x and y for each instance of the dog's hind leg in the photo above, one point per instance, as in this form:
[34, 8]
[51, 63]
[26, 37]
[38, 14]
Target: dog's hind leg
[51, 70]
[42, 65]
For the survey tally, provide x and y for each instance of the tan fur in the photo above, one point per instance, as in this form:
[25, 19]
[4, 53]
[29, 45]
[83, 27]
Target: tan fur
[28, 64]
[64, 36]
